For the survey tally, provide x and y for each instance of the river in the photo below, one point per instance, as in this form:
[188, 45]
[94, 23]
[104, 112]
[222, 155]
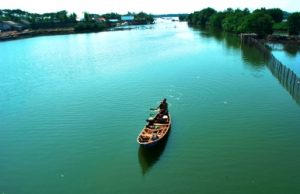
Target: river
[71, 107]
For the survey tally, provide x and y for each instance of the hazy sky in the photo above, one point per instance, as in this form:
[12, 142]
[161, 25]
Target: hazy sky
[149, 6]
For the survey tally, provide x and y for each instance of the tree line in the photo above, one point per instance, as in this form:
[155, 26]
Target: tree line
[60, 19]
[94, 22]
[46, 20]
[261, 21]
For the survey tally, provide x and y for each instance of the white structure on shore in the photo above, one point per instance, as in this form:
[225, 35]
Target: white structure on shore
[127, 18]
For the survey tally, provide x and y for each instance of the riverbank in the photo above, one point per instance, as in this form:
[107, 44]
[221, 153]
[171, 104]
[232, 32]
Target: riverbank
[14, 35]
[283, 39]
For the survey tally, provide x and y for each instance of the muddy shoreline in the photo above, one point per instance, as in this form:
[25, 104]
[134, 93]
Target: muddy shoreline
[14, 35]
[29, 33]
[283, 39]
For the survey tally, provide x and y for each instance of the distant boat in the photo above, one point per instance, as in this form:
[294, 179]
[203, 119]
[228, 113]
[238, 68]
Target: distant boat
[156, 130]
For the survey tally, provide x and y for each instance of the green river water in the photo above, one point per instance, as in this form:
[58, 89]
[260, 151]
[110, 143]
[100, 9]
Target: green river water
[71, 107]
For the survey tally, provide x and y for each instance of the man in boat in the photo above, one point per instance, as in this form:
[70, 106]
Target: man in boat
[163, 107]
[163, 112]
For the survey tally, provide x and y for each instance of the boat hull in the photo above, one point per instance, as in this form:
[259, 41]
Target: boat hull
[156, 143]
[155, 134]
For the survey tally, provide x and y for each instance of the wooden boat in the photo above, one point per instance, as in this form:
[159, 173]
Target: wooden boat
[155, 131]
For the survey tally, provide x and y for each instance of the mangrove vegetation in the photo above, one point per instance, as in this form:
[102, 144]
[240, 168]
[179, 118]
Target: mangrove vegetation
[262, 21]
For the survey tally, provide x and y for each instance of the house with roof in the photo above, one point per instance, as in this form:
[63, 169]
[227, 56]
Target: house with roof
[100, 20]
[127, 19]
[114, 22]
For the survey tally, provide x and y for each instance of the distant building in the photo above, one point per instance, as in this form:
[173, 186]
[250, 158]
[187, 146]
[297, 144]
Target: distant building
[127, 18]
[101, 20]
[113, 20]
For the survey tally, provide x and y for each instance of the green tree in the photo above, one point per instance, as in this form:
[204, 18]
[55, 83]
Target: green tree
[193, 18]
[216, 20]
[205, 15]
[183, 17]
[87, 17]
[72, 17]
[294, 23]
[143, 18]
[259, 23]
[261, 10]
[202, 17]
[234, 19]
[111, 16]
[276, 14]
[282, 26]
[61, 16]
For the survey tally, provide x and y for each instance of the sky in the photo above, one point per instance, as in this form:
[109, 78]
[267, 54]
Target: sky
[148, 6]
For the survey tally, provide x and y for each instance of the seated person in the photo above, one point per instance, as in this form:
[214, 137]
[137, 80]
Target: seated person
[163, 107]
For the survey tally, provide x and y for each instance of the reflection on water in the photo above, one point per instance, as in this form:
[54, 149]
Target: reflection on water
[285, 75]
[149, 156]
[258, 56]
[253, 57]
[290, 49]
[231, 42]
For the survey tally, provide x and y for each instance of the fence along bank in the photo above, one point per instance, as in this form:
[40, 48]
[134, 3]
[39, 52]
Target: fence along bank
[285, 76]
